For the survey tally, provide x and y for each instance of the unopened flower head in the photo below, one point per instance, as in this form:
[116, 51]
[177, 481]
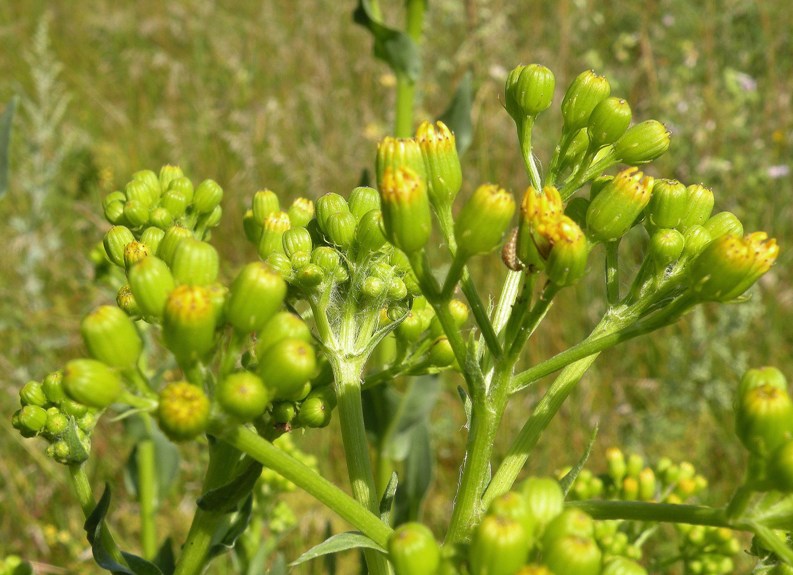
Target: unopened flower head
[273, 228]
[528, 91]
[406, 209]
[586, 92]
[483, 220]
[441, 162]
[539, 214]
[395, 153]
[617, 206]
[567, 258]
[642, 143]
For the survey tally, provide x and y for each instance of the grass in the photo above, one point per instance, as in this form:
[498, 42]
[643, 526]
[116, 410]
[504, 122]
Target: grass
[287, 96]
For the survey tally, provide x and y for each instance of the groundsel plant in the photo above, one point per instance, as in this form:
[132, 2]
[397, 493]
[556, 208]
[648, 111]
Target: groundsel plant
[343, 300]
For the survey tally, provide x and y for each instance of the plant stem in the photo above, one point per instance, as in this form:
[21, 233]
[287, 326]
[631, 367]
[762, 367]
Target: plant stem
[406, 86]
[530, 322]
[309, 480]
[654, 512]
[612, 273]
[524, 135]
[147, 495]
[85, 496]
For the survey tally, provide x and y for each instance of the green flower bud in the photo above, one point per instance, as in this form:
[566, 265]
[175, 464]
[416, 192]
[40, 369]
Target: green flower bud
[340, 229]
[296, 240]
[441, 353]
[242, 395]
[666, 246]
[642, 143]
[126, 301]
[152, 236]
[373, 287]
[699, 205]
[413, 550]
[169, 173]
[195, 263]
[286, 366]
[116, 239]
[183, 411]
[30, 419]
[207, 197]
[309, 277]
[135, 251]
[617, 468]
[327, 205]
[91, 382]
[483, 220]
[635, 464]
[284, 412]
[763, 376]
[586, 92]
[568, 257]
[668, 204]
[173, 236]
[646, 484]
[615, 209]
[573, 554]
[136, 213]
[764, 419]
[273, 230]
[369, 233]
[622, 566]
[576, 210]
[441, 163]
[729, 265]
[73, 408]
[326, 258]
[161, 218]
[218, 293]
[363, 200]
[57, 423]
[544, 499]
[534, 569]
[265, 202]
[53, 387]
[411, 328]
[114, 213]
[722, 224]
[406, 210]
[252, 228]
[151, 281]
[609, 121]
[212, 219]
[32, 393]
[183, 187]
[397, 153]
[280, 264]
[512, 505]
[114, 197]
[539, 215]
[139, 192]
[301, 212]
[697, 238]
[569, 522]
[529, 91]
[86, 423]
[499, 546]
[397, 290]
[255, 296]
[317, 409]
[151, 180]
[111, 337]
[175, 203]
[189, 323]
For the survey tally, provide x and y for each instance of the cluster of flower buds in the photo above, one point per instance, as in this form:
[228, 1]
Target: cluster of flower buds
[49, 412]
[707, 550]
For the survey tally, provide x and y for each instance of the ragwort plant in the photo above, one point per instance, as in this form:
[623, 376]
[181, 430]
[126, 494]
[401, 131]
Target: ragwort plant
[344, 300]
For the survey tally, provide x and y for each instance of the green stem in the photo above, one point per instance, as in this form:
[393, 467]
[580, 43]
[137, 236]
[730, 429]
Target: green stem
[530, 323]
[147, 492]
[612, 273]
[85, 496]
[656, 512]
[223, 458]
[406, 86]
[309, 480]
[524, 136]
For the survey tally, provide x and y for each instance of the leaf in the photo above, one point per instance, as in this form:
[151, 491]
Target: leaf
[165, 558]
[458, 115]
[93, 526]
[419, 470]
[166, 458]
[279, 566]
[6, 122]
[226, 497]
[337, 543]
[467, 405]
[395, 48]
[387, 502]
[567, 481]
[418, 404]
[226, 540]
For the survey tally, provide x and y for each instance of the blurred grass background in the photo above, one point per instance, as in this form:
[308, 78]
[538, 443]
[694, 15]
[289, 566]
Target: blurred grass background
[287, 95]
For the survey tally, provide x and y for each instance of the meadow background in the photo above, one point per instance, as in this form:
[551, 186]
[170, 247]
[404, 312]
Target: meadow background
[286, 95]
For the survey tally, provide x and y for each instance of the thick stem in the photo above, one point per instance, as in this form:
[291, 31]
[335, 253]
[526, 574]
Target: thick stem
[406, 86]
[655, 512]
[530, 322]
[147, 496]
[524, 135]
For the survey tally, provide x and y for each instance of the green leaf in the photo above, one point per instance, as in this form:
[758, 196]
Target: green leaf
[226, 537]
[6, 122]
[567, 481]
[93, 526]
[225, 498]
[165, 558]
[467, 405]
[387, 502]
[458, 115]
[338, 543]
[395, 48]
[418, 404]
[419, 470]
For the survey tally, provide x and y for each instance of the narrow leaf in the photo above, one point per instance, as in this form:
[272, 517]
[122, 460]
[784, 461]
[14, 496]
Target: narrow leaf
[387, 502]
[467, 406]
[458, 115]
[419, 471]
[226, 497]
[338, 543]
[395, 48]
[228, 538]
[279, 566]
[6, 121]
[570, 477]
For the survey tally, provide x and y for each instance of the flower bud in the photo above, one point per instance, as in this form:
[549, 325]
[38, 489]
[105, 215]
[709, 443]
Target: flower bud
[195, 263]
[296, 239]
[116, 239]
[52, 386]
[151, 180]
[586, 92]
[642, 143]
[125, 300]
[406, 210]
[212, 219]
[668, 204]
[573, 554]
[183, 410]
[397, 153]
[615, 460]
[576, 210]
[544, 499]
[369, 233]
[183, 187]
[91, 382]
[762, 376]
[30, 420]
[666, 246]
[172, 238]
[301, 212]
[32, 393]
[646, 484]
[286, 366]
[764, 419]
[372, 288]
[255, 296]
[271, 240]
[539, 214]
[534, 569]
[569, 522]
[483, 220]
[441, 353]
[141, 194]
[135, 251]
[161, 218]
[242, 395]
[512, 505]
[609, 121]
[327, 205]
[309, 277]
[57, 423]
[151, 281]
[167, 174]
[411, 328]
[136, 213]
[697, 238]
[568, 257]
[528, 91]
[615, 209]
[340, 229]
[413, 550]
[441, 163]
[317, 408]
[189, 323]
[622, 566]
[722, 224]
[152, 236]
[265, 202]
[73, 408]
[729, 265]
[114, 213]
[699, 205]
[252, 228]
[111, 337]
[284, 411]
[175, 203]
[499, 546]
[363, 200]
[207, 196]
